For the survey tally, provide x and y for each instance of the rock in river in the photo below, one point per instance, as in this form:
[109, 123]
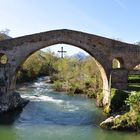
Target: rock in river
[11, 101]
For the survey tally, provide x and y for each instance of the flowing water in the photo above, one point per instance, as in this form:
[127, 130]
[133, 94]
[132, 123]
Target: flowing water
[56, 116]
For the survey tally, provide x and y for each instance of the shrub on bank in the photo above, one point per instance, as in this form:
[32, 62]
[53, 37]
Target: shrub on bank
[128, 121]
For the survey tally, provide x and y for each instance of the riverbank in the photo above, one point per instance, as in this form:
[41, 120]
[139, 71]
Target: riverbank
[129, 121]
[12, 101]
[124, 112]
[75, 77]
[53, 115]
[120, 116]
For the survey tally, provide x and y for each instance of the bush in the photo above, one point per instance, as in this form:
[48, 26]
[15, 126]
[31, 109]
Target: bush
[134, 101]
[58, 86]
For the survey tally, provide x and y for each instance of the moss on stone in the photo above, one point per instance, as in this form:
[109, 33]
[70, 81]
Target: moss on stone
[107, 109]
[99, 99]
[130, 121]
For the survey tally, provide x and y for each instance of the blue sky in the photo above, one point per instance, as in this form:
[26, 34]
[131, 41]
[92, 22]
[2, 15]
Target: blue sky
[118, 19]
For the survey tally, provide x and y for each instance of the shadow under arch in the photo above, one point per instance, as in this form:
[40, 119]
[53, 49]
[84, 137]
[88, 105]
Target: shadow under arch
[105, 88]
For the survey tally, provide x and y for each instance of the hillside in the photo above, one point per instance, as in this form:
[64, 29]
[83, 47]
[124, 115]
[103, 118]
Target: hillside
[4, 36]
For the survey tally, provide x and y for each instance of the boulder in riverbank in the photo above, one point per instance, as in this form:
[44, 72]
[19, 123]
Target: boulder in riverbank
[11, 101]
[127, 122]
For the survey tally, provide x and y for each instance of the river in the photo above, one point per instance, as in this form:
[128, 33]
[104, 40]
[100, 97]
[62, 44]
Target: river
[54, 115]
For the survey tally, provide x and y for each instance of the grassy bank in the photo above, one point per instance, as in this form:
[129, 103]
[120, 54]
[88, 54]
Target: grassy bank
[124, 110]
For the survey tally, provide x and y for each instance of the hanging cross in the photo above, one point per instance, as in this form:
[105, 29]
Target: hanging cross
[62, 52]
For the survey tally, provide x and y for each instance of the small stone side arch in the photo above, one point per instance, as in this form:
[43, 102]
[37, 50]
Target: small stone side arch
[137, 67]
[3, 59]
[117, 63]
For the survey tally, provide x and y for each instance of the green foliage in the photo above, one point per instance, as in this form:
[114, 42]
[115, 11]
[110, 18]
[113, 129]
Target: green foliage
[78, 77]
[107, 109]
[4, 34]
[99, 98]
[134, 87]
[68, 74]
[129, 121]
[134, 101]
[133, 78]
[58, 85]
[1, 37]
[37, 64]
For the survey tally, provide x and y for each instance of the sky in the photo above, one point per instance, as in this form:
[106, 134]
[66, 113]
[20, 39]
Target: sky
[117, 19]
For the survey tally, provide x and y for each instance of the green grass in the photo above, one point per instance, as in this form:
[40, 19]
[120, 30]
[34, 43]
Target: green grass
[134, 82]
[134, 87]
[133, 78]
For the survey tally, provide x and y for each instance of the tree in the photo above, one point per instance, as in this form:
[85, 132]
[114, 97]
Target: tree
[5, 31]
[134, 101]
[4, 34]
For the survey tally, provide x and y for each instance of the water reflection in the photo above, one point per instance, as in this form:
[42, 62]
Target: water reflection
[10, 117]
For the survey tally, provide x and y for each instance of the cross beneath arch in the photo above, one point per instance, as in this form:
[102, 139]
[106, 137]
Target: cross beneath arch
[62, 52]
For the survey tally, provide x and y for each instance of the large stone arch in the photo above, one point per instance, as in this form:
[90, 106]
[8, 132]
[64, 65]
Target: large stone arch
[104, 50]
[25, 46]
[101, 68]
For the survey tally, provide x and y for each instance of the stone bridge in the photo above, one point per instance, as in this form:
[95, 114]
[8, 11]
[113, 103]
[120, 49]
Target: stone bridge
[103, 50]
